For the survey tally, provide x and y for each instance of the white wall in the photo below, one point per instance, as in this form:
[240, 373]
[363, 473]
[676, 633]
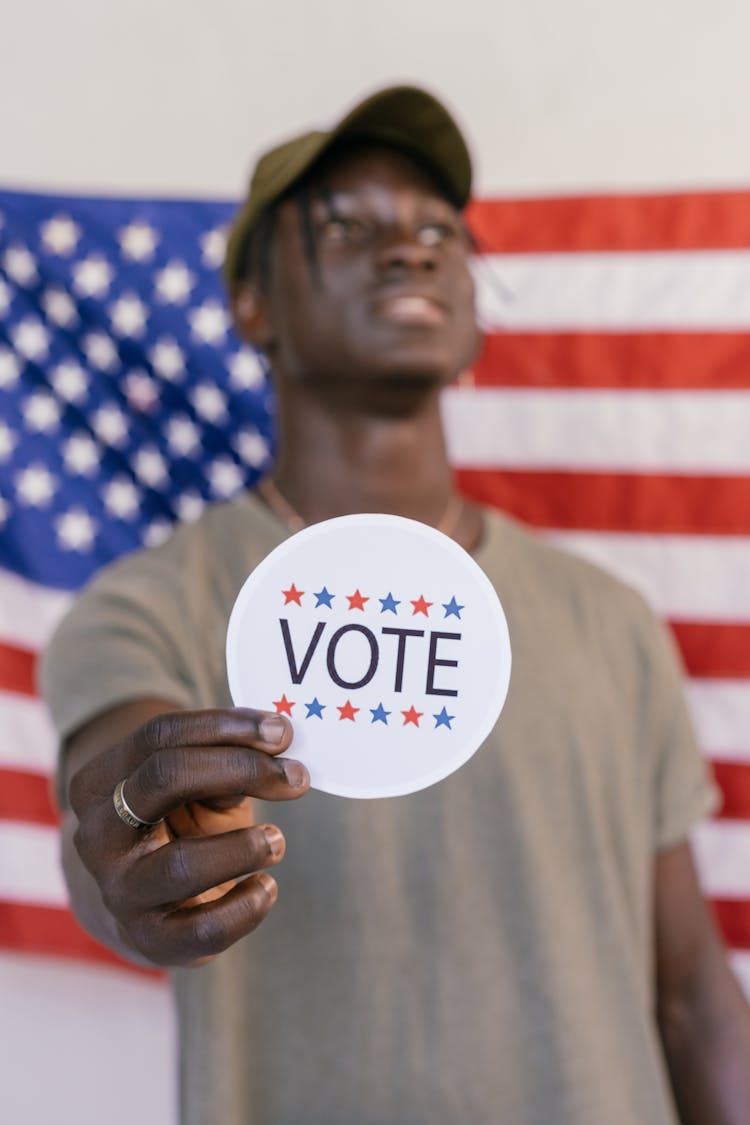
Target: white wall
[167, 96]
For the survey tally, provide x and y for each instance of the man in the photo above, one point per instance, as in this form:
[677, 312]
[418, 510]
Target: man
[523, 943]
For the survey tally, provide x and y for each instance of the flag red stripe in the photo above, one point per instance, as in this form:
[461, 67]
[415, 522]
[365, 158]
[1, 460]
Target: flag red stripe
[54, 932]
[27, 797]
[625, 502]
[668, 221]
[16, 669]
[733, 778]
[649, 360]
[713, 649]
[733, 917]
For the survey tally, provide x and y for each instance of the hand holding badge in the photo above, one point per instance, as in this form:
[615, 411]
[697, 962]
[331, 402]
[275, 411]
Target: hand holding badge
[384, 643]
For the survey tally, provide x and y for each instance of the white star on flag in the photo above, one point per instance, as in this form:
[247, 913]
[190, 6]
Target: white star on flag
[92, 276]
[150, 467]
[189, 506]
[19, 265]
[8, 442]
[59, 307]
[35, 486]
[60, 235]
[5, 297]
[70, 381]
[174, 283]
[183, 436]
[100, 351]
[75, 530]
[209, 322]
[30, 338]
[10, 368]
[41, 413]
[81, 455]
[121, 498]
[110, 426]
[225, 477]
[138, 241]
[128, 315]
[156, 533]
[141, 391]
[209, 402]
[246, 370]
[252, 447]
[214, 245]
[167, 359]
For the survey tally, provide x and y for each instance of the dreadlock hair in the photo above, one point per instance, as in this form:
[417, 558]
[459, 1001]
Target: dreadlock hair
[254, 253]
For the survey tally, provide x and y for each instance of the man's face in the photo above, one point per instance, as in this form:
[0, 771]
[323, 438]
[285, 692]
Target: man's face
[389, 296]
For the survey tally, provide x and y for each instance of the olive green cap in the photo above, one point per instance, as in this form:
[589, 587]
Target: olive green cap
[405, 117]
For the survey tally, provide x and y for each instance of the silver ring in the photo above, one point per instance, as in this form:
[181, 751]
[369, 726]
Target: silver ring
[126, 814]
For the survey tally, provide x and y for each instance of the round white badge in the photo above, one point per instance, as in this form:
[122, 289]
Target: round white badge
[384, 643]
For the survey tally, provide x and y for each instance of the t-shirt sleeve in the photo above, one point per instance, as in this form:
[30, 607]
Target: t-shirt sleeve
[682, 784]
[120, 641]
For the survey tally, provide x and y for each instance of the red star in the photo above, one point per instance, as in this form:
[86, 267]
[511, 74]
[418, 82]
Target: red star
[421, 606]
[284, 706]
[356, 601]
[347, 711]
[293, 595]
[412, 716]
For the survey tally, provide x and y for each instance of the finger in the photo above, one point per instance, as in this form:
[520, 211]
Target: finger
[173, 777]
[262, 730]
[187, 867]
[187, 935]
[236, 726]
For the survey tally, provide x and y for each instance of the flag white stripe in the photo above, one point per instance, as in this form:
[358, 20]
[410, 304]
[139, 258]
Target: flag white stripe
[29, 612]
[28, 741]
[74, 1026]
[740, 962]
[721, 712]
[684, 577]
[605, 430]
[30, 870]
[695, 289]
[722, 856]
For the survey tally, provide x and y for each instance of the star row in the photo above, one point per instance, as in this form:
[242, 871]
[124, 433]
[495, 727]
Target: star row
[130, 319]
[138, 241]
[388, 604]
[346, 710]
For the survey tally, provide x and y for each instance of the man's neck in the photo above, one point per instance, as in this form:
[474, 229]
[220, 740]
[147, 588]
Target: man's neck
[336, 460]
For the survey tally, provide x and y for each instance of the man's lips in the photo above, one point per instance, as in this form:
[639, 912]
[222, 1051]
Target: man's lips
[411, 308]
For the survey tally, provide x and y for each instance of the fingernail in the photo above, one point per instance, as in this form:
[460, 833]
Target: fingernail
[270, 886]
[272, 729]
[274, 840]
[295, 773]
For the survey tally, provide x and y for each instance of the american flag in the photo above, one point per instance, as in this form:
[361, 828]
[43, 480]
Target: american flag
[610, 409]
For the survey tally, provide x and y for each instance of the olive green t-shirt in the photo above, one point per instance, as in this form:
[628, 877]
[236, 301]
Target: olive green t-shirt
[476, 953]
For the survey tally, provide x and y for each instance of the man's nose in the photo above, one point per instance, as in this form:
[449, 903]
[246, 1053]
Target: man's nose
[402, 249]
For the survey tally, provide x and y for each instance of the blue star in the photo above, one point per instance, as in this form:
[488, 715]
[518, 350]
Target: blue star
[324, 598]
[443, 719]
[316, 708]
[388, 602]
[379, 714]
[452, 609]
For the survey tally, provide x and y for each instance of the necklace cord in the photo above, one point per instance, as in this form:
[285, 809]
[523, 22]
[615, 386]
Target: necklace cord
[280, 506]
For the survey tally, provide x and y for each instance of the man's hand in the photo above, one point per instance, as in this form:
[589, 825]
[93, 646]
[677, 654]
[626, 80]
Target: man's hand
[193, 884]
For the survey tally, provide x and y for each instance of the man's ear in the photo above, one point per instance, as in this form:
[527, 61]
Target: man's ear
[251, 316]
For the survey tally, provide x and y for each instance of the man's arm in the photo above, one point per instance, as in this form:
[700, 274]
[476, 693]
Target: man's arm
[703, 1017]
[193, 884]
